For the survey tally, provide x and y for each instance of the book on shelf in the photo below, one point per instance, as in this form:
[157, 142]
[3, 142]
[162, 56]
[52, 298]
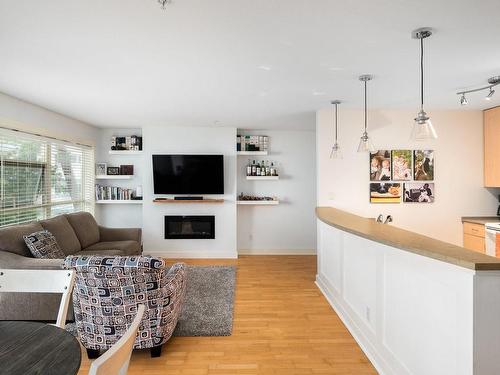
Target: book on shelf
[112, 193]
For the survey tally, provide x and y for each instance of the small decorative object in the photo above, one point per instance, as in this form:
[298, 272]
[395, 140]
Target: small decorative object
[127, 170]
[138, 192]
[385, 192]
[113, 171]
[100, 168]
[417, 192]
[380, 165]
[130, 143]
[401, 165]
[245, 197]
[423, 165]
[164, 3]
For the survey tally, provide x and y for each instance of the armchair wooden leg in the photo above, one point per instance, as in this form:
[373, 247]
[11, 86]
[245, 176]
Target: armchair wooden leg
[92, 353]
[155, 351]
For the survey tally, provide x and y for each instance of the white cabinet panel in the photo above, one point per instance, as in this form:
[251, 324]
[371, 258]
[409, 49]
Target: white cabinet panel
[331, 255]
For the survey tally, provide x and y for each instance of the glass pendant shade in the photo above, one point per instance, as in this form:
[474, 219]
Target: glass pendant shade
[365, 144]
[336, 152]
[422, 128]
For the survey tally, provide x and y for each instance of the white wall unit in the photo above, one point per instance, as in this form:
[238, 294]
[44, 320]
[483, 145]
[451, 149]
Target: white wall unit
[113, 177]
[118, 201]
[190, 140]
[119, 213]
[344, 183]
[409, 313]
[290, 226]
[252, 153]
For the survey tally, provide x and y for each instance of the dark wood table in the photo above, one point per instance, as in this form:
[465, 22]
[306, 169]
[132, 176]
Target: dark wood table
[37, 348]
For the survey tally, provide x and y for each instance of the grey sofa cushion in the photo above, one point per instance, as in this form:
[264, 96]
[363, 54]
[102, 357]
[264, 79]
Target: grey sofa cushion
[43, 245]
[85, 227]
[66, 237]
[105, 253]
[126, 247]
[11, 238]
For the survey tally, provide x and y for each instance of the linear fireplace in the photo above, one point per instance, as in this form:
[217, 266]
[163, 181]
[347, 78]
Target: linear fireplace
[189, 227]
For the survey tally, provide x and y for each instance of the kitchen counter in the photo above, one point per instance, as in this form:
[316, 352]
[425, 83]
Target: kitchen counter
[406, 240]
[480, 219]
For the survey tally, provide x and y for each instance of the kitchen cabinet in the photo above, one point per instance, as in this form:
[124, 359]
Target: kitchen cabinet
[491, 118]
[474, 237]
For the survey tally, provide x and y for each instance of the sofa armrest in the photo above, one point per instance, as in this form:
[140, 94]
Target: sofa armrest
[120, 234]
[16, 261]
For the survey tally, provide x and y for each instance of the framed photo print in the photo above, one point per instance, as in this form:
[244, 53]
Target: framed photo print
[401, 165]
[100, 168]
[423, 165]
[419, 192]
[383, 192]
[113, 171]
[380, 165]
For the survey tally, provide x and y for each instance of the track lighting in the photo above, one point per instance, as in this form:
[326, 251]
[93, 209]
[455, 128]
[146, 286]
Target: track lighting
[336, 153]
[422, 128]
[490, 94]
[365, 143]
[492, 82]
[463, 100]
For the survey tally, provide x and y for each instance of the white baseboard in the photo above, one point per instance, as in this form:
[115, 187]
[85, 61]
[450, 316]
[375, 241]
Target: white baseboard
[369, 348]
[277, 252]
[193, 254]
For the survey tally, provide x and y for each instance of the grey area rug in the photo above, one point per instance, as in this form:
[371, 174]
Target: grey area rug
[208, 305]
[209, 302]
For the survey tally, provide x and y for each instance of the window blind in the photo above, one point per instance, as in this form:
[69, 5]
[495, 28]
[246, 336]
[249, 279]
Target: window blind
[43, 177]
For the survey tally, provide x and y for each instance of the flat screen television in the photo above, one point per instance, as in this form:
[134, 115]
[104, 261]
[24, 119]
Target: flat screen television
[188, 174]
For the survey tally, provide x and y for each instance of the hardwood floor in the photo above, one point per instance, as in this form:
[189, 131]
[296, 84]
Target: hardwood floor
[282, 325]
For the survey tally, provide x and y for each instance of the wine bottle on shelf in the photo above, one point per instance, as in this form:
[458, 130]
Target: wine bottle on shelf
[273, 170]
[249, 168]
[262, 168]
[257, 170]
[254, 169]
[268, 169]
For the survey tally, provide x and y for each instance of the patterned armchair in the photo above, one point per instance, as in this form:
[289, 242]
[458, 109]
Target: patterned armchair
[108, 290]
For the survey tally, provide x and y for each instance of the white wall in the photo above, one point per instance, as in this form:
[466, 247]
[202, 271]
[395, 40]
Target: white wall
[458, 175]
[120, 215]
[185, 140]
[21, 115]
[289, 227]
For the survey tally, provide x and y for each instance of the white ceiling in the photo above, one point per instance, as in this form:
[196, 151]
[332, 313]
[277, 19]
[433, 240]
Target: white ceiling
[250, 64]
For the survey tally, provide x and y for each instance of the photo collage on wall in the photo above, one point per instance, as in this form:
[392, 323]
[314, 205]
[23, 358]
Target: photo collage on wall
[402, 175]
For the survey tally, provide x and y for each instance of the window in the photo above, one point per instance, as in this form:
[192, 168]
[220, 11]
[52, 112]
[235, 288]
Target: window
[42, 177]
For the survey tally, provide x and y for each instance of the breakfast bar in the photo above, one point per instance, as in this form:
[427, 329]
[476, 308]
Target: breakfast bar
[415, 305]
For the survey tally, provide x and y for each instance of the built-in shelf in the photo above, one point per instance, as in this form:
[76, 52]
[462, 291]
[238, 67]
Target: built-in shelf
[188, 201]
[255, 153]
[116, 201]
[258, 203]
[263, 177]
[124, 152]
[113, 177]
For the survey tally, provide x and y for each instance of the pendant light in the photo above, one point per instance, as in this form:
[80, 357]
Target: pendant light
[422, 128]
[336, 153]
[365, 143]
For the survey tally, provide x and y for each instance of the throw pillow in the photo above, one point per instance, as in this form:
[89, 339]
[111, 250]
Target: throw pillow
[43, 244]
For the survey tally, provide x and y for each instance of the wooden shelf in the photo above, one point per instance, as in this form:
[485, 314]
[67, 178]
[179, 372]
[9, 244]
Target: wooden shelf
[188, 201]
[124, 152]
[113, 177]
[258, 203]
[273, 178]
[254, 153]
[116, 201]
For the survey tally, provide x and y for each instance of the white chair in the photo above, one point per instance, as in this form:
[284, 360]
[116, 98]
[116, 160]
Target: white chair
[116, 359]
[41, 281]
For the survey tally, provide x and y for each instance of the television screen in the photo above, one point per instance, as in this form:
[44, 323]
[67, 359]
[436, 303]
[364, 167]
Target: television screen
[188, 174]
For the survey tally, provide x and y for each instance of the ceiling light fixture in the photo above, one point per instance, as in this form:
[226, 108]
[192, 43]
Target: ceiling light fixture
[365, 143]
[463, 100]
[422, 128]
[336, 153]
[492, 82]
[164, 3]
[490, 94]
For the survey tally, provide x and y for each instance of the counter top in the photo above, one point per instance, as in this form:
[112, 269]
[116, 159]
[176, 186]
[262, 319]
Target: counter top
[480, 219]
[406, 240]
